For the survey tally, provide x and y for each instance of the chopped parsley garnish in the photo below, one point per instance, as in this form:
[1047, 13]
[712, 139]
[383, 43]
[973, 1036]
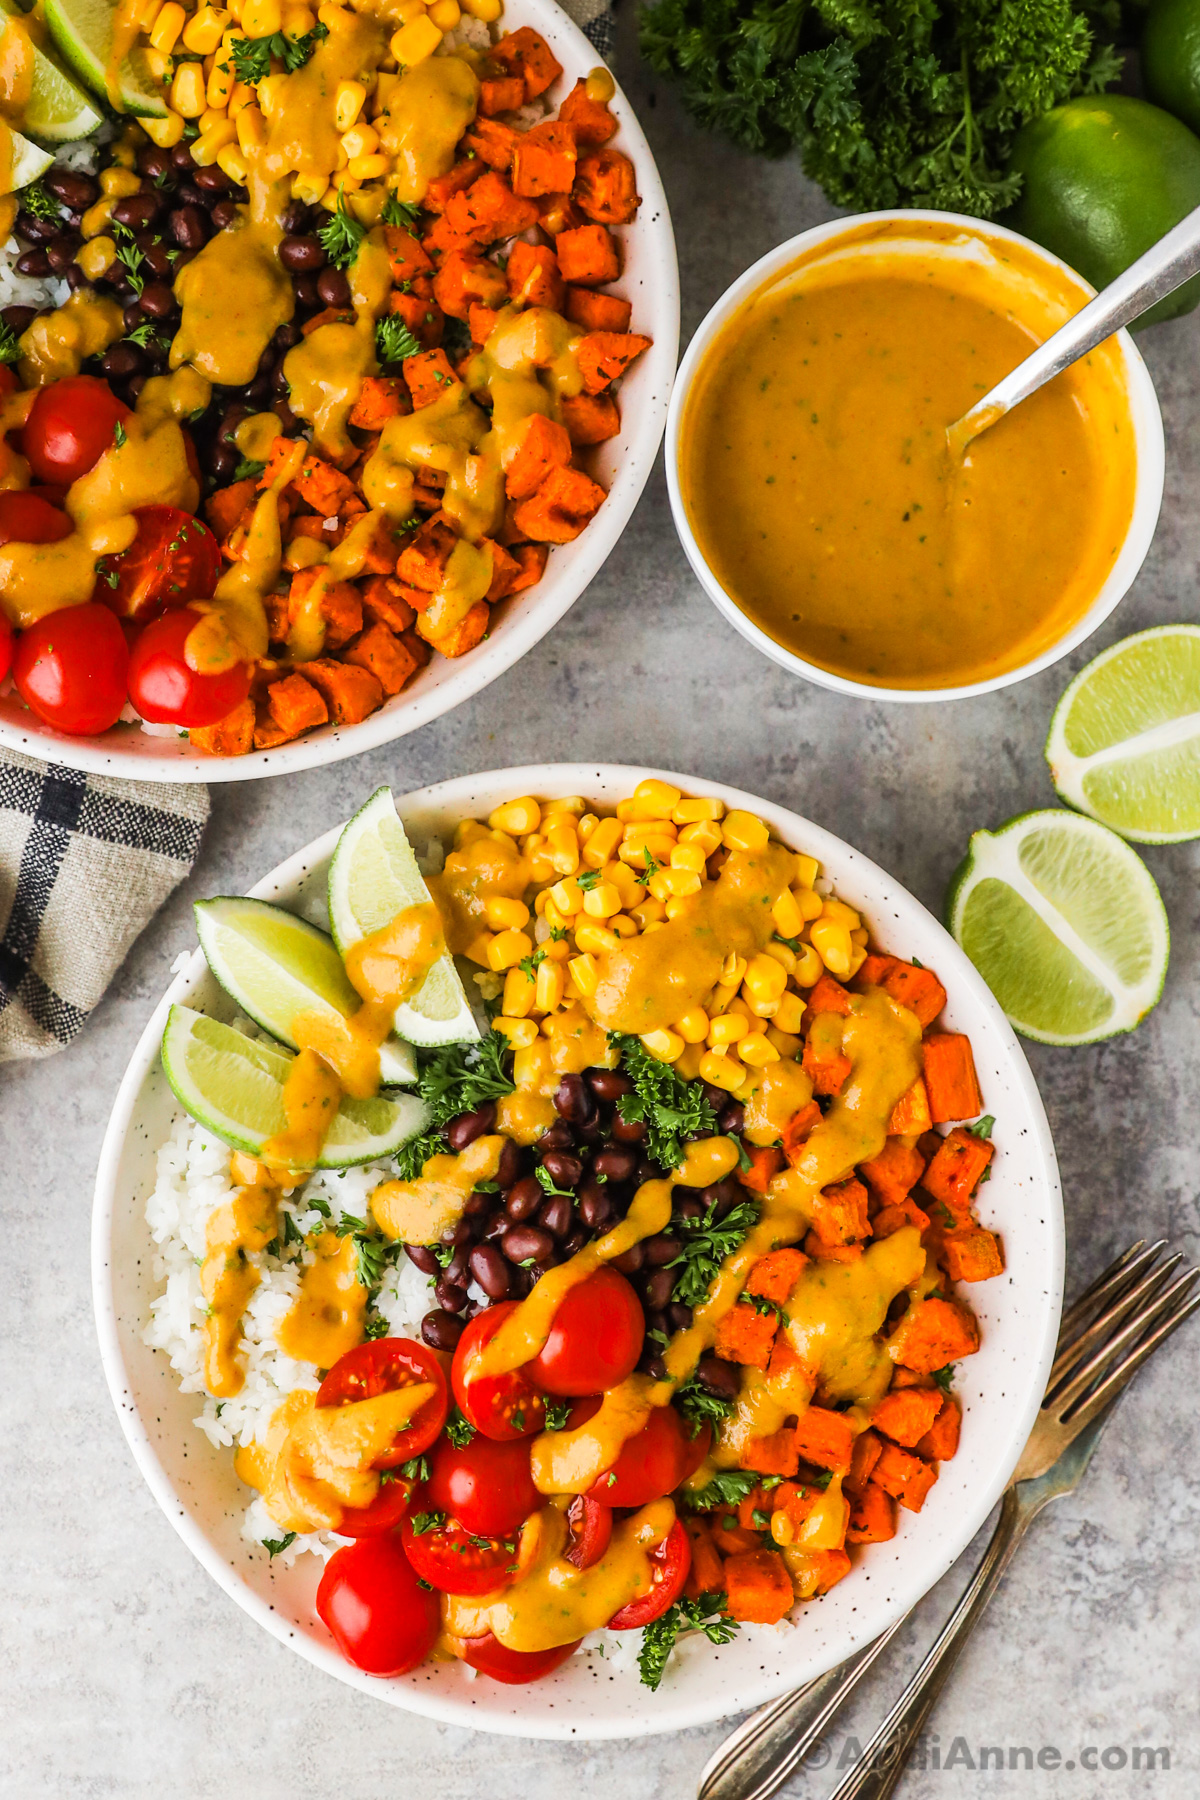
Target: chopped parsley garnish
[277, 1545]
[120, 435]
[945, 1377]
[400, 212]
[652, 867]
[557, 935]
[706, 1243]
[546, 1181]
[342, 235]
[38, 203]
[744, 1159]
[453, 1079]
[671, 1109]
[529, 965]
[707, 1614]
[761, 1304]
[983, 1128]
[415, 1469]
[251, 57]
[701, 1408]
[557, 1414]
[144, 335]
[248, 467]
[460, 1431]
[10, 348]
[130, 255]
[427, 1521]
[375, 1326]
[393, 340]
[724, 1488]
[588, 879]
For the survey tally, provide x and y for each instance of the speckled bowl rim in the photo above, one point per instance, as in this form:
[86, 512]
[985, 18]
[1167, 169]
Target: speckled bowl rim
[651, 279]
[1144, 413]
[1023, 1310]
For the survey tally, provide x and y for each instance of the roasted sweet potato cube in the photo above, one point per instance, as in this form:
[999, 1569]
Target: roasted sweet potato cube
[339, 605]
[932, 1333]
[950, 1077]
[505, 570]
[816, 1571]
[756, 1501]
[904, 1476]
[799, 1129]
[758, 1587]
[384, 604]
[464, 636]
[406, 258]
[381, 397]
[971, 1254]
[350, 693]
[321, 486]
[825, 1439]
[816, 1247]
[557, 213]
[941, 1440]
[544, 160]
[429, 376]
[604, 357]
[527, 54]
[956, 1169]
[422, 314]
[893, 1218]
[840, 1213]
[381, 651]
[561, 508]
[544, 445]
[826, 1066]
[295, 705]
[910, 1115]
[467, 279]
[489, 210]
[745, 1335]
[868, 1448]
[443, 188]
[894, 1173]
[533, 276]
[225, 509]
[597, 312]
[500, 93]
[707, 1573]
[826, 996]
[590, 418]
[796, 1500]
[905, 1415]
[492, 142]
[775, 1275]
[918, 989]
[872, 1516]
[606, 187]
[482, 322]
[231, 736]
[422, 561]
[774, 1454]
[592, 121]
[532, 559]
[587, 255]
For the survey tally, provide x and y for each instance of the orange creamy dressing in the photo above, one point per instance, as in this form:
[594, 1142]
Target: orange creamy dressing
[816, 477]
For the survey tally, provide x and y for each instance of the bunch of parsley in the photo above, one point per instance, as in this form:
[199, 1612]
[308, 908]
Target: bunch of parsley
[890, 104]
[671, 1109]
[454, 1079]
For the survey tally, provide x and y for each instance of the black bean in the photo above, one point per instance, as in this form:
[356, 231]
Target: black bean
[73, 189]
[188, 194]
[156, 354]
[628, 1131]
[595, 1206]
[231, 418]
[523, 1243]
[441, 1330]
[212, 180]
[468, 1126]
[288, 422]
[133, 316]
[723, 1195]
[259, 391]
[280, 383]
[157, 300]
[287, 337]
[465, 1232]
[510, 1165]
[122, 361]
[679, 1315]
[305, 289]
[609, 1084]
[630, 1261]
[557, 1216]
[181, 157]
[33, 262]
[655, 1367]
[719, 1377]
[75, 277]
[715, 1096]
[152, 163]
[574, 1241]
[591, 1131]
[302, 255]
[648, 1171]
[296, 217]
[19, 318]
[38, 231]
[222, 461]
[183, 259]
[451, 1298]
[135, 387]
[333, 288]
[689, 1207]
[159, 263]
[659, 1250]
[656, 1321]
[558, 1137]
[423, 1258]
[223, 215]
[478, 1205]
[188, 226]
[659, 1288]
[615, 1164]
[573, 1100]
[564, 1170]
[490, 1271]
[137, 211]
[496, 1227]
[60, 252]
[732, 1117]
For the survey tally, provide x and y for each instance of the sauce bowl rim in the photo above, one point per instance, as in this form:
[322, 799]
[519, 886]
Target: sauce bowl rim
[1149, 444]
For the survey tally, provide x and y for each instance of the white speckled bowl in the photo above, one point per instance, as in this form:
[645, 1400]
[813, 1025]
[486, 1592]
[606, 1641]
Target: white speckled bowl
[1000, 1387]
[650, 278]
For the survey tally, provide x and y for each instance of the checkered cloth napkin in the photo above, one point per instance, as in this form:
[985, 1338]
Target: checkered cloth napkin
[85, 863]
[595, 19]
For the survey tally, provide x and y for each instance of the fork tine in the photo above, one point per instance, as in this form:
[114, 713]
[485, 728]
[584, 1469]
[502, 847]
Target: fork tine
[1112, 1385]
[1128, 1300]
[1099, 1362]
[1107, 1285]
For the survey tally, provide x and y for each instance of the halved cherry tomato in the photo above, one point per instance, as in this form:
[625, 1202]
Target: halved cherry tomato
[491, 1657]
[384, 1513]
[163, 687]
[455, 1560]
[370, 1600]
[501, 1406]
[485, 1485]
[380, 1367]
[595, 1340]
[590, 1526]
[70, 668]
[669, 1565]
[6, 646]
[654, 1462]
[70, 426]
[173, 558]
[27, 517]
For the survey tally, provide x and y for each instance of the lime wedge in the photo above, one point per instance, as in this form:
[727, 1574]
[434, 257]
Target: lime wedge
[372, 876]
[234, 1086]
[57, 111]
[276, 965]
[83, 33]
[1124, 743]
[1064, 923]
[28, 162]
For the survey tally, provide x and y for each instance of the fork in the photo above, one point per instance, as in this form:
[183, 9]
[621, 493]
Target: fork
[1105, 1336]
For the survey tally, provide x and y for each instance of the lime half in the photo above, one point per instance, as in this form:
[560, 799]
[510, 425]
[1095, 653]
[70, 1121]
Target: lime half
[57, 111]
[1063, 921]
[234, 1085]
[276, 965]
[83, 33]
[374, 875]
[1124, 743]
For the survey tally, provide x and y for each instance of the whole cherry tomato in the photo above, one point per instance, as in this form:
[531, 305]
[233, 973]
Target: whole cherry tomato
[669, 1565]
[501, 1406]
[70, 668]
[491, 1657]
[27, 517]
[595, 1340]
[455, 1560]
[173, 558]
[654, 1462]
[370, 1599]
[70, 426]
[379, 1367]
[485, 1485]
[166, 690]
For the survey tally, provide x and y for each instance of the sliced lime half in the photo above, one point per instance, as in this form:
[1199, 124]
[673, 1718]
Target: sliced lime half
[234, 1085]
[373, 875]
[57, 111]
[1124, 743]
[1063, 921]
[276, 966]
[83, 35]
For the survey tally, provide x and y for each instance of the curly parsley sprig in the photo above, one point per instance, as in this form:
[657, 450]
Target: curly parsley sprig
[671, 1109]
[706, 1614]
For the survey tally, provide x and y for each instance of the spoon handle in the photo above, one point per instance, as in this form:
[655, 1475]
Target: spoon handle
[1164, 267]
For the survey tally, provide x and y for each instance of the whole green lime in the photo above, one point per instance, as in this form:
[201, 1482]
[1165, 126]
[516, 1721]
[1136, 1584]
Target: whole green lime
[1104, 178]
[1171, 58]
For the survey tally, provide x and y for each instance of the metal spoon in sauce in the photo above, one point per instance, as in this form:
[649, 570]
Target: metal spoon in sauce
[1163, 268]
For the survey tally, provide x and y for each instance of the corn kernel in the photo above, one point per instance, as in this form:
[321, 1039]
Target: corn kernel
[789, 920]
[664, 1046]
[733, 969]
[251, 129]
[97, 257]
[232, 163]
[374, 168]
[602, 900]
[635, 851]
[860, 938]
[147, 12]
[583, 973]
[308, 188]
[205, 29]
[567, 897]
[468, 832]
[807, 870]
[625, 810]
[118, 183]
[166, 133]
[787, 1044]
[587, 824]
[687, 1063]
[788, 1013]
[831, 941]
[487, 10]
[446, 14]
[628, 882]
[720, 998]
[298, 21]
[593, 937]
[764, 980]
[704, 834]
[688, 856]
[779, 952]
[648, 912]
[654, 799]
[348, 101]
[693, 1026]
[212, 115]
[742, 831]
[96, 218]
[808, 967]
[840, 913]
[809, 903]
[416, 41]
[262, 18]
[209, 145]
[601, 843]
[637, 829]
[692, 810]
[477, 950]
[546, 909]
[551, 986]
[187, 90]
[268, 94]
[519, 1032]
[508, 948]
[165, 31]
[858, 957]
[503, 914]
[668, 884]
[528, 1064]
[727, 1028]
[721, 1070]
[757, 1050]
[518, 993]
[654, 925]
[363, 140]
[562, 846]
[557, 950]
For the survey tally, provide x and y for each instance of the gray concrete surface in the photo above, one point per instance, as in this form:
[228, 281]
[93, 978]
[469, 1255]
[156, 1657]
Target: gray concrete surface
[124, 1671]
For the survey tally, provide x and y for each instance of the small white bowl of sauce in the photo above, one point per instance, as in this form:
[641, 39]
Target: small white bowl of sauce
[811, 487]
